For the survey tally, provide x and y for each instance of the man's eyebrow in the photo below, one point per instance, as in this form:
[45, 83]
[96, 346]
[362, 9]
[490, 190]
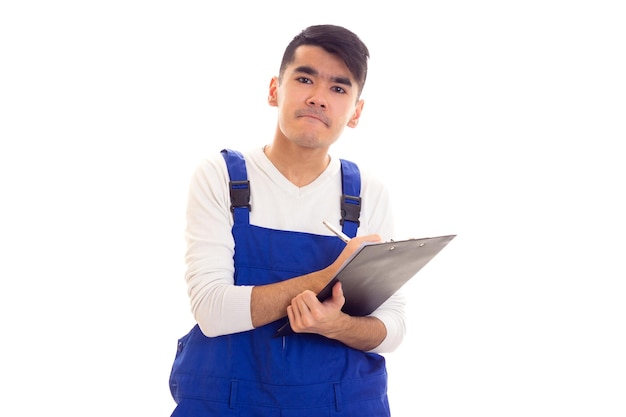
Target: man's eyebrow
[312, 71]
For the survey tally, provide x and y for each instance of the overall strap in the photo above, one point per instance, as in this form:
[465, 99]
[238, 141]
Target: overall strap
[239, 186]
[350, 199]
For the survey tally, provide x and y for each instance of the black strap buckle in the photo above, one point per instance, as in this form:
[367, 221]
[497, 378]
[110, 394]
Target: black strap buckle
[239, 194]
[350, 209]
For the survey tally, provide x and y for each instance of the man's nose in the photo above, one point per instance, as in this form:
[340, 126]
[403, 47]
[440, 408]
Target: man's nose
[317, 99]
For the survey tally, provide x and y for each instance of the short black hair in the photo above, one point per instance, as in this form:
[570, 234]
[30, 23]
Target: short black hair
[335, 40]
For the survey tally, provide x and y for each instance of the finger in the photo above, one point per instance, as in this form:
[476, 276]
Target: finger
[338, 289]
[367, 238]
[301, 305]
[294, 319]
[338, 298]
[354, 244]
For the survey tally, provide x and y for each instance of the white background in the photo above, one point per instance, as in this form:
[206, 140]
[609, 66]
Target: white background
[502, 122]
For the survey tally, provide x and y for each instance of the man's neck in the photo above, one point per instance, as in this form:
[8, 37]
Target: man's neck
[301, 166]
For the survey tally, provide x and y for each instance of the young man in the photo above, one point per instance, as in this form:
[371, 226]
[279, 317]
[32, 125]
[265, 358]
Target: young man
[258, 253]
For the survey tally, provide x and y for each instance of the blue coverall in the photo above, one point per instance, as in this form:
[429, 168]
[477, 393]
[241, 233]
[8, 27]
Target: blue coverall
[252, 373]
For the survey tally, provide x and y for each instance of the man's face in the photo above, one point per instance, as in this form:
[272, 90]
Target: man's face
[316, 98]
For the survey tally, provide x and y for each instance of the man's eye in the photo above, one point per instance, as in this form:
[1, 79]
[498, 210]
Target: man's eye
[339, 90]
[304, 80]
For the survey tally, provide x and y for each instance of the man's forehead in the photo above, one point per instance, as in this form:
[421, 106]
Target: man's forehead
[315, 60]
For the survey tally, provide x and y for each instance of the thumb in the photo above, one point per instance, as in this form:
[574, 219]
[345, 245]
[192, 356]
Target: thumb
[338, 297]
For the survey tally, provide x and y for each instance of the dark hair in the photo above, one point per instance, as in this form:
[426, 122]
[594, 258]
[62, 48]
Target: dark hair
[335, 40]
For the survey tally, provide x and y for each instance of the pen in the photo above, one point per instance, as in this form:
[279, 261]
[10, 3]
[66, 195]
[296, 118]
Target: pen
[336, 231]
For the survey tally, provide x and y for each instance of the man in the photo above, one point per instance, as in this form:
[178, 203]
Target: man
[258, 253]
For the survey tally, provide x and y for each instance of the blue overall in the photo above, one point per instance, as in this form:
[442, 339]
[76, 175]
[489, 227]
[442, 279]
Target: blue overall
[252, 373]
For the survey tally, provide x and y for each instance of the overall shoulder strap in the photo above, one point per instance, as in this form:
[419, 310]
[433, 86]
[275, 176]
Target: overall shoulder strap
[239, 185]
[351, 197]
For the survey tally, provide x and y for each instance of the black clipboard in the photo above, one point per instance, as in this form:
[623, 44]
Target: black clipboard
[376, 271]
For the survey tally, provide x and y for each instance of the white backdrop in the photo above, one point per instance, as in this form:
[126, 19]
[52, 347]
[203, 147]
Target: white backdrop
[501, 122]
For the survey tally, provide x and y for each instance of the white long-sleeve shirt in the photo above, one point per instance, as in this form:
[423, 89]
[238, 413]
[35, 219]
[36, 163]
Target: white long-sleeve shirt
[219, 306]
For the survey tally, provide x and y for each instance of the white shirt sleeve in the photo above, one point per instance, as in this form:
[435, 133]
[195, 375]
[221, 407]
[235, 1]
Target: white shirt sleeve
[219, 306]
[392, 313]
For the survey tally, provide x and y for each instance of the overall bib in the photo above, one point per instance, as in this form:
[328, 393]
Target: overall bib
[252, 373]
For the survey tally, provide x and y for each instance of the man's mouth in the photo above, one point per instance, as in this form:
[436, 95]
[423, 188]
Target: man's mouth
[314, 115]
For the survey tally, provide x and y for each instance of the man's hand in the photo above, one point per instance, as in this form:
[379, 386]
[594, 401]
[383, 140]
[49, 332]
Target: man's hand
[352, 246]
[308, 315]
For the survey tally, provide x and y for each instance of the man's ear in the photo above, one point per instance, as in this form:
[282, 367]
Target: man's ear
[354, 120]
[272, 98]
